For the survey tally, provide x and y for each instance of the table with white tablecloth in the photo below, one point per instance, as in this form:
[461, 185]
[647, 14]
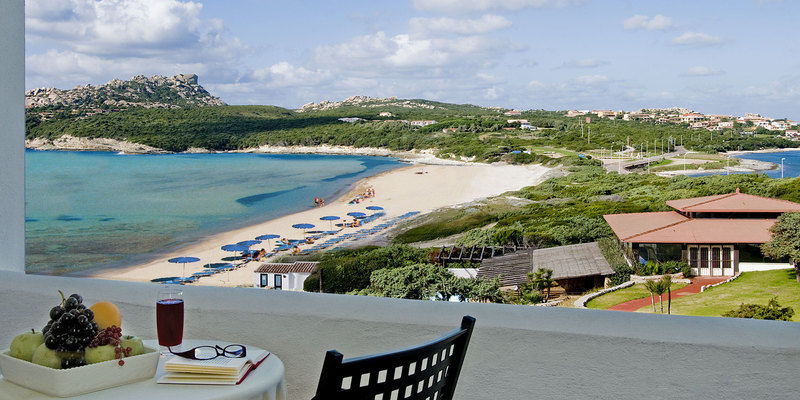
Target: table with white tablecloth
[267, 382]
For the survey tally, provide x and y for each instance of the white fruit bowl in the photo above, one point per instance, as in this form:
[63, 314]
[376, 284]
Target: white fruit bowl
[80, 380]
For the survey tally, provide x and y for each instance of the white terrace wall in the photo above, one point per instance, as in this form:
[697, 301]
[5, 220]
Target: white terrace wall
[517, 352]
[12, 135]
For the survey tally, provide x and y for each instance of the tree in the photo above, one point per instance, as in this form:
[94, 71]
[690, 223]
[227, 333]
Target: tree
[542, 280]
[667, 282]
[785, 240]
[772, 311]
[429, 281]
[652, 287]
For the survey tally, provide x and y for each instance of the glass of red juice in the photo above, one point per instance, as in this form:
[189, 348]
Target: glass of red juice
[169, 317]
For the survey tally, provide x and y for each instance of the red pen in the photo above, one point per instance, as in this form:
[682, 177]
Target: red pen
[252, 367]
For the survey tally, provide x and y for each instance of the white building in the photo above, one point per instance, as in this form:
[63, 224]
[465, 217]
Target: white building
[725, 124]
[422, 123]
[385, 114]
[512, 113]
[351, 119]
[284, 276]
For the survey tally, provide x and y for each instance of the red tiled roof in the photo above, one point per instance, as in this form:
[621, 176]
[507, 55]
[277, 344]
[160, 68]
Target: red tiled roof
[285, 268]
[734, 202]
[709, 230]
[627, 225]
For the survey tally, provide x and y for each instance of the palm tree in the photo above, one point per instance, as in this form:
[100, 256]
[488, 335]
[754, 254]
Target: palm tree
[660, 287]
[651, 287]
[542, 280]
[667, 281]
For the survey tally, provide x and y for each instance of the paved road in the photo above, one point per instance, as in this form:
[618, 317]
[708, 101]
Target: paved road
[615, 167]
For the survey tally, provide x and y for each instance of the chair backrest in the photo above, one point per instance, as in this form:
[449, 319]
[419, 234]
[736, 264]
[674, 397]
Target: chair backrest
[429, 371]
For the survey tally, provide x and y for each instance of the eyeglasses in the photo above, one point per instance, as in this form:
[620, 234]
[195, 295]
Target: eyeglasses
[211, 352]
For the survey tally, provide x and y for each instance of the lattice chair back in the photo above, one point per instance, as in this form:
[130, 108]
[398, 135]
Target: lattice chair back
[429, 371]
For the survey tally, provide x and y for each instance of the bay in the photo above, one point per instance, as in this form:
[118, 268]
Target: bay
[88, 210]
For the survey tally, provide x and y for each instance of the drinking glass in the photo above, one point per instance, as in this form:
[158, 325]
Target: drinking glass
[169, 317]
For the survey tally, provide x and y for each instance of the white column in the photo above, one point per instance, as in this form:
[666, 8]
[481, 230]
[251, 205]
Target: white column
[12, 135]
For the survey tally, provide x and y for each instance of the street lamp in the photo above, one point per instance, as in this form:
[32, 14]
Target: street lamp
[782, 167]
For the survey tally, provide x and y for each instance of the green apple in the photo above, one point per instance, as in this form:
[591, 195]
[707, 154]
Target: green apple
[135, 343]
[24, 345]
[46, 357]
[98, 354]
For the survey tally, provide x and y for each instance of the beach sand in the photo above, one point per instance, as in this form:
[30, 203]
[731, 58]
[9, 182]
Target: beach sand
[398, 191]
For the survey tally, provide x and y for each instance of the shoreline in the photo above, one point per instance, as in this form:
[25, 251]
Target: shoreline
[147, 258]
[72, 143]
[770, 150]
[746, 165]
[399, 190]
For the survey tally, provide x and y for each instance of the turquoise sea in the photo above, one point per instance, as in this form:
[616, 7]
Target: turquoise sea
[87, 210]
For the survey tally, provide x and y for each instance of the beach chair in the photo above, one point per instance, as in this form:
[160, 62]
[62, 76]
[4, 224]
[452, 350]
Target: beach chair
[428, 371]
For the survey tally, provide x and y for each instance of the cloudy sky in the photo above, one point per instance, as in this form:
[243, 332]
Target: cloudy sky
[713, 56]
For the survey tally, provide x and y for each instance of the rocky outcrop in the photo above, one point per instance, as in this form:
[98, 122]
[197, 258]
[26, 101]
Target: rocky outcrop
[364, 101]
[67, 142]
[140, 91]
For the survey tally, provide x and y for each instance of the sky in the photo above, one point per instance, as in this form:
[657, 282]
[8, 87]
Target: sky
[716, 57]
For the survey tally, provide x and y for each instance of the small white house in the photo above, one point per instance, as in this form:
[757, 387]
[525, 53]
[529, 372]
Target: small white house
[284, 276]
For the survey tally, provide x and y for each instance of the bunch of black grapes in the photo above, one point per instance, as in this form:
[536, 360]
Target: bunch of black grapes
[71, 327]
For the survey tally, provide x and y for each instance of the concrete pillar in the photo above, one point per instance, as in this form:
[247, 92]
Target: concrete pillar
[12, 135]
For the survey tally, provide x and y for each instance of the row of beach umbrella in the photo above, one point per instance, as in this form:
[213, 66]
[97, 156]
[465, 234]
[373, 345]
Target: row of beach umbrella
[245, 245]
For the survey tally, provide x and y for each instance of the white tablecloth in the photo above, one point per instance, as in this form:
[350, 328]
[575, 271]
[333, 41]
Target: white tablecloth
[267, 382]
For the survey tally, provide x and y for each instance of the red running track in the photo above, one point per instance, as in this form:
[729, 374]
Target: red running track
[692, 288]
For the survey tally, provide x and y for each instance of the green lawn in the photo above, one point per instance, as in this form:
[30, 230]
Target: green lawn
[752, 287]
[634, 292]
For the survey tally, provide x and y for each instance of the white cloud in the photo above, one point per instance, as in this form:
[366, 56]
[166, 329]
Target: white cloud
[591, 79]
[405, 52]
[485, 24]
[696, 39]
[95, 40]
[462, 6]
[656, 23]
[284, 74]
[701, 70]
[583, 63]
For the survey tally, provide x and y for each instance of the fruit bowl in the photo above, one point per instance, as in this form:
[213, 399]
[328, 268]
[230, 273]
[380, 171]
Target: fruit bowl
[80, 380]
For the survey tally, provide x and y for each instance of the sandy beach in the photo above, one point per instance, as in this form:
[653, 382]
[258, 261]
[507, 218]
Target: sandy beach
[419, 187]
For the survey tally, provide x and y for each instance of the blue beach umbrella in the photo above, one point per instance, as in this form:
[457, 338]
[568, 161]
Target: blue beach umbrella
[268, 237]
[248, 243]
[356, 214]
[183, 260]
[235, 248]
[165, 279]
[303, 226]
[330, 218]
[375, 208]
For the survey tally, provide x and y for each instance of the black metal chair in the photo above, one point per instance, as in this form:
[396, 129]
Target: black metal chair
[429, 371]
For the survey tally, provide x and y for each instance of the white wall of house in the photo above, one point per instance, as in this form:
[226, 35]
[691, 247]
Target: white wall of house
[756, 266]
[292, 281]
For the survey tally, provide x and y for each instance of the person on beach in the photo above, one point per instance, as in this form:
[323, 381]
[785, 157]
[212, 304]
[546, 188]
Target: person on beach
[321, 202]
[316, 201]
[296, 250]
[285, 241]
[309, 240]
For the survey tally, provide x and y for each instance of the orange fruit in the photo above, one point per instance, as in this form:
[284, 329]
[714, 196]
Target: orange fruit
[106, 314]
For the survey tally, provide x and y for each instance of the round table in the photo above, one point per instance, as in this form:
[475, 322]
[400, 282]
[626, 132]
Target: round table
[267, 382]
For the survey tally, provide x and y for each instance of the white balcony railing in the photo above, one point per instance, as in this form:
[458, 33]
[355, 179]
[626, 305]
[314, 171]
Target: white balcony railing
[517, 352]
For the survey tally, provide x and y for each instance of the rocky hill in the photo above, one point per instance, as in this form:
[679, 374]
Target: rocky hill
[150, 92]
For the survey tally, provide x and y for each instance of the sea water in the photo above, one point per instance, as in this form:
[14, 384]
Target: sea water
[87, 210]
[791, 164]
